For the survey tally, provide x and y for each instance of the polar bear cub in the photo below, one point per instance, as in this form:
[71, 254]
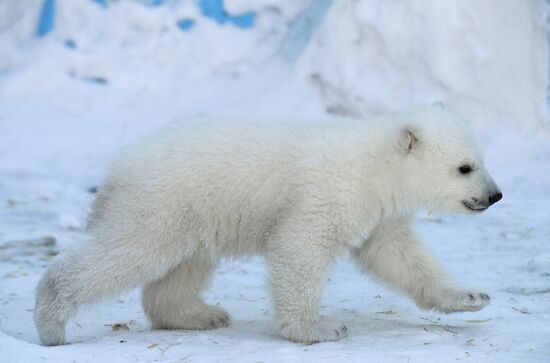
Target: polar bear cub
[301, 194]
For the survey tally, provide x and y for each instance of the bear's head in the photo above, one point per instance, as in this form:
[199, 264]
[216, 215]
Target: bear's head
[441, 167]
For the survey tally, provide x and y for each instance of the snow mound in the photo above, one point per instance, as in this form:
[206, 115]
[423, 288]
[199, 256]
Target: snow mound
[487, 60]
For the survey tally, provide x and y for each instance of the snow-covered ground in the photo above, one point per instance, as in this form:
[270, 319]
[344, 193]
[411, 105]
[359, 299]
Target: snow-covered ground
[106, 76]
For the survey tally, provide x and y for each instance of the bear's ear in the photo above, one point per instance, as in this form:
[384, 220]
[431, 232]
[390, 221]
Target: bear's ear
[408, 139]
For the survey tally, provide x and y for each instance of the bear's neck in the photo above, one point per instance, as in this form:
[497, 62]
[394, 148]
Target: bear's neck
[387, 182]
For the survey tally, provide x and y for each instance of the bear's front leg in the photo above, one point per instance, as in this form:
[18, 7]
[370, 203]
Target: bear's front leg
[300, 264]
[394, 255]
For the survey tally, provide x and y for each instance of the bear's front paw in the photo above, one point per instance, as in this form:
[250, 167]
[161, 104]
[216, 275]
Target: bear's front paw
[324, 330]
[205, 318]
[453, 301]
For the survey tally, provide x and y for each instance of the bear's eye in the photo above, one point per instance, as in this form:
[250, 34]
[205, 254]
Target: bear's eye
[465, 169]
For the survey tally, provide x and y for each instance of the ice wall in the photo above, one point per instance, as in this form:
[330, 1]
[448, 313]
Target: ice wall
[486, 59]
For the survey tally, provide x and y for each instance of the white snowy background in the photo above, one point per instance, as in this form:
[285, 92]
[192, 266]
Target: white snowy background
[80, 78]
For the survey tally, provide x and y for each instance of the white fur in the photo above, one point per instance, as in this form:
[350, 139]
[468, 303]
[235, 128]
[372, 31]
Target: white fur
[300, 194]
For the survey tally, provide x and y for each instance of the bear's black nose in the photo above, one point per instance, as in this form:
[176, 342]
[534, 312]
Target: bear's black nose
[495, 198]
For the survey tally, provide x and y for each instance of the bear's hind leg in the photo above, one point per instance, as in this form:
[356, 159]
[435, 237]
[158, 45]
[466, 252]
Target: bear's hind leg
[174, 301]
[86, 274]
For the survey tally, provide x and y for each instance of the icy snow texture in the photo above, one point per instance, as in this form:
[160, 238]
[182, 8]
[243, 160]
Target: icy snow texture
[106, 76]
[488, 59]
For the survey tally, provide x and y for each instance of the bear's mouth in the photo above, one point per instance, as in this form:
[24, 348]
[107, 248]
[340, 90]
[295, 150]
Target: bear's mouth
[476, 206]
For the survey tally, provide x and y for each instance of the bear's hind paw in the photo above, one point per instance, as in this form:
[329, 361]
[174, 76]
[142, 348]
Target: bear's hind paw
[324, 330]
[208, 317]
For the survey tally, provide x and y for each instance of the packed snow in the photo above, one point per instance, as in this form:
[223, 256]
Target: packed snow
[109, 72]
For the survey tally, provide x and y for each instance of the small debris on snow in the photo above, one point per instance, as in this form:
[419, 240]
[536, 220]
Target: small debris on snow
[387, 312]
[436, 321]
[523, 311]
[46, 241]
[251, 300]
[93, 190]
[478, 321]
[527, 291]
[119, 326]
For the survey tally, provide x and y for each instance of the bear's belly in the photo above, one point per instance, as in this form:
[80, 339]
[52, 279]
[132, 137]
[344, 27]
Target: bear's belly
[244, 232]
